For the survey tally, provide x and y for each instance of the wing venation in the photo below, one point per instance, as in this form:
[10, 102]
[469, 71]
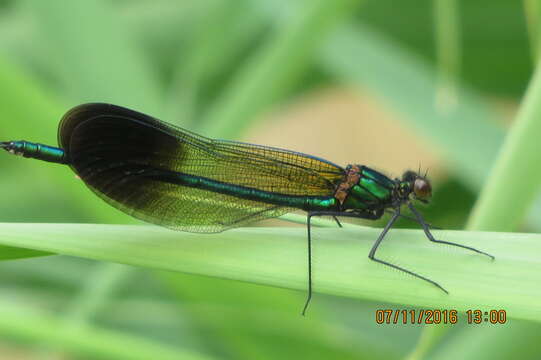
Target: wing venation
[110, 145]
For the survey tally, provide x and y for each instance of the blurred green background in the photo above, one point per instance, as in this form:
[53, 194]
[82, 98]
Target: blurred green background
[386, 84]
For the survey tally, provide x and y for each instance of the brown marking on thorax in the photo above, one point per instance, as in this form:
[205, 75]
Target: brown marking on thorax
[350, 179]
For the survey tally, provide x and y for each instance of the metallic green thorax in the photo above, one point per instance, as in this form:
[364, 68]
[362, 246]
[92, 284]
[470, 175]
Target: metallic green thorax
[36, 151]
[373, 191]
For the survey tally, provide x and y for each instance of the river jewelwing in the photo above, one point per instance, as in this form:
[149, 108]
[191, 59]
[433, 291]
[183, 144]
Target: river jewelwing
[172, 177]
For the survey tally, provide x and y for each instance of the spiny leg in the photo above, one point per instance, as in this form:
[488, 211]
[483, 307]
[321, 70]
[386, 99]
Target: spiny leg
[428, 234]
[334, 214]
[381, 236]
[337, 221]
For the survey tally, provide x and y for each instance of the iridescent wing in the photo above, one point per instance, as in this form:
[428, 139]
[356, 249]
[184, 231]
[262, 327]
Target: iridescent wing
[110, 147]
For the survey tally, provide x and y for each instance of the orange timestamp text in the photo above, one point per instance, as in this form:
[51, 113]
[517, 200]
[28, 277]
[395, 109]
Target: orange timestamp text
[437, 316]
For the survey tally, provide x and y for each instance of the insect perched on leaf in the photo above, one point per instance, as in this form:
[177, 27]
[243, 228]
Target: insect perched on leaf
[172, 177]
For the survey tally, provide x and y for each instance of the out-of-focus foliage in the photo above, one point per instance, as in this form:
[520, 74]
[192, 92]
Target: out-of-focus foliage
[231, 69]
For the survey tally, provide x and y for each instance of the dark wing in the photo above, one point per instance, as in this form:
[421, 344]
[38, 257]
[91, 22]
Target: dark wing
[110, 147]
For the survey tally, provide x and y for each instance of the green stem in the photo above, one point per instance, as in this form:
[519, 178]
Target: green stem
[532, 11]
[447, 36]
[500, 207]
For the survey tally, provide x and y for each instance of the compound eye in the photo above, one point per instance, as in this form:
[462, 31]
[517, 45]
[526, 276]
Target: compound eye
[422, 189]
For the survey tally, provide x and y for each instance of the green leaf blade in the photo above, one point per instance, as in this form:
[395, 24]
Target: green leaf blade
[277, 257]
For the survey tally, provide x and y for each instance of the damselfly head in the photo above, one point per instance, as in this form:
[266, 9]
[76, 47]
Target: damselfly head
[419, 185]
